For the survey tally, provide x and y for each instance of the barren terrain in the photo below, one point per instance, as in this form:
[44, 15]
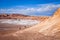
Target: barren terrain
[46, 28]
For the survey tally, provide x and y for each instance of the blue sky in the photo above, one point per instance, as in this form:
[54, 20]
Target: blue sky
[29, 7]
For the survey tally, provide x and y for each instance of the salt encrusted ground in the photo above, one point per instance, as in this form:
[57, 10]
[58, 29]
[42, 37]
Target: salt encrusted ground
[19, 21]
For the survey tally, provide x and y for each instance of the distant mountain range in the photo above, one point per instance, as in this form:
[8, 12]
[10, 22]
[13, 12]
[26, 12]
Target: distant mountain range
[12, 15]
[22, 16]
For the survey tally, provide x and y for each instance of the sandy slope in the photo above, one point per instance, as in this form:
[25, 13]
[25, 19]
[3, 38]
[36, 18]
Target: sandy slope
[48, 27]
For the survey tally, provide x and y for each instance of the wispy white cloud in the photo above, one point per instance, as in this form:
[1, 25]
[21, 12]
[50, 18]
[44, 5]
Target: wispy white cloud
[39, 9]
